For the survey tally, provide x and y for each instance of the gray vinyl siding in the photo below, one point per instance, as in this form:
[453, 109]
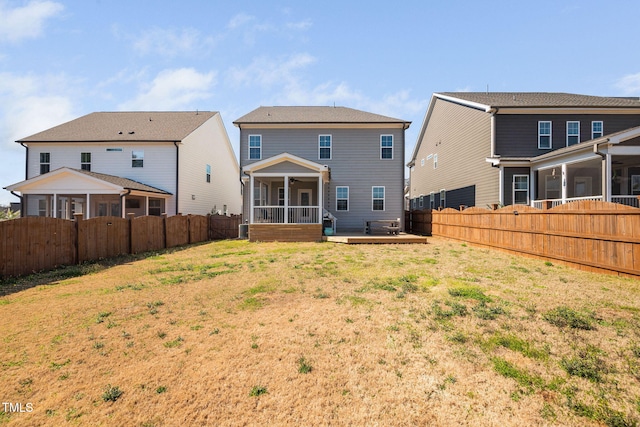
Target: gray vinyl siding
[461, 137]
[517, 134]
[355, 162]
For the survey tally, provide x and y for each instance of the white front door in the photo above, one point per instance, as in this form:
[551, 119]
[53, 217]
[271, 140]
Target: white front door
[304, 199]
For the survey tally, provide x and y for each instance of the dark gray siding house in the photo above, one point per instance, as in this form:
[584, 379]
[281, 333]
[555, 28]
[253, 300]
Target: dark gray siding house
[303, 165]
[478, 149]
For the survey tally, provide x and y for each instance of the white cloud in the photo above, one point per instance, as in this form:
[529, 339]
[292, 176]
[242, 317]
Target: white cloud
[239, 20]
[27, 21]
[629, 84]
[172, 42]
[173, 90]
[300, 25]
[267, 72]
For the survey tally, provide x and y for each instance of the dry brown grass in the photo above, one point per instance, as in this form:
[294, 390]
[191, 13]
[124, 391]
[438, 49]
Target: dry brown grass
[216, 334]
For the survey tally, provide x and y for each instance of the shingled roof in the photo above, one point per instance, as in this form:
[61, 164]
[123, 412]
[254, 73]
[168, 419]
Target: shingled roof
[125, 126]
[125, 183]
[313, 115]
[543, 99]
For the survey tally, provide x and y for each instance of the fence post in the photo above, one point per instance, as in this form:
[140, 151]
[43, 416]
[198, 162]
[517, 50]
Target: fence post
[130, 217]
[164, 230]
[188, 229]
[77, 218]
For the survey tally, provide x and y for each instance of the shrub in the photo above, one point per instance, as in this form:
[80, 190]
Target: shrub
[566, 317]
[111, 394]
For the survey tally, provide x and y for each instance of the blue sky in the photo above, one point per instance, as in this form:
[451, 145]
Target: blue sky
[62, 59]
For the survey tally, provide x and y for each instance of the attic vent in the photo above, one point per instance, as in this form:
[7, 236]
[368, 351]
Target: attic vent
[131, 132]
[120, 133]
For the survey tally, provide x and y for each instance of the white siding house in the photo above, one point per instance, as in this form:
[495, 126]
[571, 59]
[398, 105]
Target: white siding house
[146, 163]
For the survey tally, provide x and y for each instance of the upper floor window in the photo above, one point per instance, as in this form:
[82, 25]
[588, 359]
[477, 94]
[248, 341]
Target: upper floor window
[85, 161]
[544, 135]
[597, 129]
[377, 195]
[435, 161]
[422, 162]
[324, 147]
[45, 162]
[386, 146]
[573, 133]
[208, 173]
[342, 198]
[255, 147]
[137, 158]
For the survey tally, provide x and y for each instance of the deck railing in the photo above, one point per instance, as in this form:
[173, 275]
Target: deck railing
[296, 215]
[557, 202]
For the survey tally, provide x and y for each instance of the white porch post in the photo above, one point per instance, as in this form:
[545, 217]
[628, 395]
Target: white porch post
[87, 213]
[251, 197]
[501, 185]
[146, 205]
[123, 210]
[606, 179]
[320, 197]
[532, 186]
[55, 205]
[286, 199]
[564, 183]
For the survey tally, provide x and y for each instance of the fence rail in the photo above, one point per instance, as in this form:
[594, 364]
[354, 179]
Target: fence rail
[34, 244]
[591, 235]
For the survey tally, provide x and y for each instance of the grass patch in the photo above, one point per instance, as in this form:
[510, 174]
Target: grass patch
[514, 343]
[111, 393]
[455, 309]
[522, 377]
[469, 292]
[564, 316]
[251, 303]
[586, 364]
[304, 367]
[258, 390]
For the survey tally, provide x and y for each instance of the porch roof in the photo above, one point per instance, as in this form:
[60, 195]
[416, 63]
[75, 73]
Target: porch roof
[77, 181]
[308, 165]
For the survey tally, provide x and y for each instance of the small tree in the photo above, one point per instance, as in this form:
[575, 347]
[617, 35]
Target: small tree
[7, 213]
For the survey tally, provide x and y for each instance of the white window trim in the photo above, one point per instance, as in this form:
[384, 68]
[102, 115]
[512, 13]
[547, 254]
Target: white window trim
[208, 174]
[601, 129]
[384, 204]
[249, 147]
[443, 198]
[140, 158]
[435, 161]
[330, 147]
[421, 202]
[513, 188]
[342, 198]
[550, 135]
[572, 135]
[391, 148]
[422, 162]
[43, 163]
[432, 200]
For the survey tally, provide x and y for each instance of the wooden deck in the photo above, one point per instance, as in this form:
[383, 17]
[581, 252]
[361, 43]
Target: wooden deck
[354, 239]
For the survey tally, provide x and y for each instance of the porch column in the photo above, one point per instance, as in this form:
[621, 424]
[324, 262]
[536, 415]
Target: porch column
[55, 205]
[606, 178]
[146, 205]
[564, 183]
[251, 196]
[123, 209]
[286, 199]
[532, 187]
[87, 213]
[501, 186]
[320, 204]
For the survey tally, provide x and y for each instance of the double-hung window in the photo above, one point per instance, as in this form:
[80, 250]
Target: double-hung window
[544, 135]
[137, 158]
[597, 129]
[421, 202]
[520, 189]
[377, 196]
[443, 199]
[45, 163]
[208, 173]
[342, 198]
[386, 146]
[85, 161]
[573, 133]
[324, 147]
[255, 147]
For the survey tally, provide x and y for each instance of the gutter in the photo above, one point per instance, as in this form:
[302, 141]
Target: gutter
[177, 173]
[493, 111]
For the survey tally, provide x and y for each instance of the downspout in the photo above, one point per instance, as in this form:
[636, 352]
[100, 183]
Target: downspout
[493, 112]
[122, 207]
[177, 172]
[23, 201]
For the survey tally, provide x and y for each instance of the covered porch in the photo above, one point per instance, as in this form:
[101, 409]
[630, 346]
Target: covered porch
[286, 198]
[64, 192]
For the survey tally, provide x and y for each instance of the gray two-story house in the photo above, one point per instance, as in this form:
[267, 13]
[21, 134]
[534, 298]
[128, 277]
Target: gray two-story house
[540, 149]
[304, 166]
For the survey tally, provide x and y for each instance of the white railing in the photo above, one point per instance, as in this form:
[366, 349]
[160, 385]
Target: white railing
[296, 215]
[626, 200]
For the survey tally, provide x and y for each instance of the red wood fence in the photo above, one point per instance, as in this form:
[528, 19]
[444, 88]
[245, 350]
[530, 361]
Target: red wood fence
[591, 235]
[38, 243]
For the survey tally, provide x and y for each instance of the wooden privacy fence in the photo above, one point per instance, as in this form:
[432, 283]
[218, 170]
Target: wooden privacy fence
[40, 243]
[418, 222]
[591, 235]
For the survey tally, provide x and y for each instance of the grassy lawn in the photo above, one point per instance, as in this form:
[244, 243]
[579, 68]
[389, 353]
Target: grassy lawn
[239, 333]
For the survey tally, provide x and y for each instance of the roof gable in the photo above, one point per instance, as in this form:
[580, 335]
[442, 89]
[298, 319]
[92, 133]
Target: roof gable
[125, 126]
[285, 159]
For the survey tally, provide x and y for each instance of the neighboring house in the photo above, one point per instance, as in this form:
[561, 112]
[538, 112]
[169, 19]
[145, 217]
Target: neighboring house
[301, 165]
[145, 163]
[478, 149]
